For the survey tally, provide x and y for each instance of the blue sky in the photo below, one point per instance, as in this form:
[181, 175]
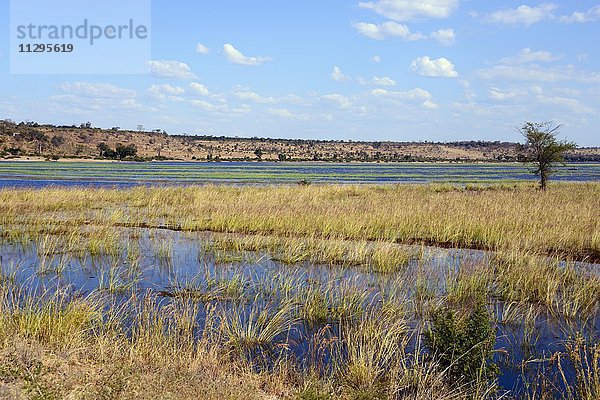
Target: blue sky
[436, 70]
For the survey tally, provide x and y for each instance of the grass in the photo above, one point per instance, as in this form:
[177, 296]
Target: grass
[354, 285]
[563, 220]
[563, 290]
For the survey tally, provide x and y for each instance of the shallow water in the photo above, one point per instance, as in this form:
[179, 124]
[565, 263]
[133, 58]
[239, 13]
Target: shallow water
[165, 263]
[125, 174]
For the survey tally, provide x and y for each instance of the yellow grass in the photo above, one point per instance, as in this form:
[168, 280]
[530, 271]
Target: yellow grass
[564, 220]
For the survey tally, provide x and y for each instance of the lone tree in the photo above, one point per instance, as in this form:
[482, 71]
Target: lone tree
[543, 149]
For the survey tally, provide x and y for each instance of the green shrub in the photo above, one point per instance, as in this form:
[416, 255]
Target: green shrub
[463, 345]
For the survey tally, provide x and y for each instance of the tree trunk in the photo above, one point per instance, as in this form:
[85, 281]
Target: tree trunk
[543, 181]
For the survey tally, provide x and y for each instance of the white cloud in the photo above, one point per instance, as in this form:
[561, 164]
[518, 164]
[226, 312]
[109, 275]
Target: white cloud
[376, 59]
[407, 10]
[199, 88]
[175, 90]
[591, 15]
[468, 90]
[386, 30]
[565, 102]
[536, 89]
[205, 105]
[338, 99]
[536, 73]
[376, 81]
[383, 81]
[444, 36]
[527, 56]
[96, 90]
[440, 67]
[430, 105]
[248, 95]
[502, 95]
[81, 104]
[338, 75]
[202, 49]
[235, 56]
[171, 69]
[414, 94]
[166, 92]
[523, 15]
[280, 112]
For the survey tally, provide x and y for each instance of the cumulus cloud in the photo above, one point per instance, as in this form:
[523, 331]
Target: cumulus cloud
[591, 15]
[235, 56]
[248, 95]
[205, 105]
[199, 88]
[386, 30]
[337, 99]
[430, 105]
[170, 69]
[166, 92]
[536, 73]
[565, 102]
[376, 59]
[502, 95]
[414, 94]
[408, 10]
[93, 106]
[439, 68]
[168, 89]
[527, 56]
[383, 81]
[202, 49]
[280, 112]
[222, 109]
[444, 36]
[338, 75]
[523, 15]
[96, 90]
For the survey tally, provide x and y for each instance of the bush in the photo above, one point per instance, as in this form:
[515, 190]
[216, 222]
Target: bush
[57, 140]
[463, 345]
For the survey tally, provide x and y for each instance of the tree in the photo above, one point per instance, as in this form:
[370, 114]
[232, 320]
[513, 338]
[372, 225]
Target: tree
[258, 153]
[103, 149]
[125, 151]
[543, 149]
[57, 140]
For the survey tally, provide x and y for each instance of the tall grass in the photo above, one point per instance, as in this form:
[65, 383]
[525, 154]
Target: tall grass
[563, 220]
[200, 336]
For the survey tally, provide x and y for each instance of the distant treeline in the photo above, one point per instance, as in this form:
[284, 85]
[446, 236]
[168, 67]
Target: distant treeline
[84, 140]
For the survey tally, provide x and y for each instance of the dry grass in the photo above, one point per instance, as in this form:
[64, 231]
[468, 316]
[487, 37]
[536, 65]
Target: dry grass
[195, 344]
[564, 220]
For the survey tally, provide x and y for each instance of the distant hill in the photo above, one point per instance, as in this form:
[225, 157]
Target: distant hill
[47, 141]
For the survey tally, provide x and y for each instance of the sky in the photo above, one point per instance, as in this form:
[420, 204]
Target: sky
[399, 70]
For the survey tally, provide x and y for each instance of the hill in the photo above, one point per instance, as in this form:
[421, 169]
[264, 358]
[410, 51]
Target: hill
[48, 141]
